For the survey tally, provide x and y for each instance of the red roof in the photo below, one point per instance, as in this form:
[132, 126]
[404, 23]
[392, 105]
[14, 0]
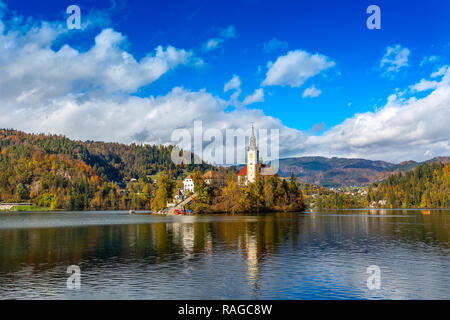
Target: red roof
[243, 171]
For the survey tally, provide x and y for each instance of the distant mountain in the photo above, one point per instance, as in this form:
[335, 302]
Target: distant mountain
[336, 172]
[404, 166]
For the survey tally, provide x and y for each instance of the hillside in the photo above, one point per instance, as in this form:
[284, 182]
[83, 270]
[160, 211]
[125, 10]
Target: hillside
[336, 172]
[426, 186]
[56, 172]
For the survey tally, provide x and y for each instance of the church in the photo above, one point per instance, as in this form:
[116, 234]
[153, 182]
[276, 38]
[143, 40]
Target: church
[248, 173]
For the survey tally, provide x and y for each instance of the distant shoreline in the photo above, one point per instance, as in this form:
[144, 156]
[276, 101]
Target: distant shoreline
[35, 209]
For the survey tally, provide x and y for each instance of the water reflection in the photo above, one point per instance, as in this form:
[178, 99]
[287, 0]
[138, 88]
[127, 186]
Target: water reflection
[287, 256]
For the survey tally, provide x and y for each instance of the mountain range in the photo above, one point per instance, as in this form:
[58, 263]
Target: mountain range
[116, 162]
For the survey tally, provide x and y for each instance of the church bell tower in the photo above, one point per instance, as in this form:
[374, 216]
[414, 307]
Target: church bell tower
[252, 158]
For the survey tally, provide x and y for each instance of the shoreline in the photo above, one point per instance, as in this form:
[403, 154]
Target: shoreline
[149, 212]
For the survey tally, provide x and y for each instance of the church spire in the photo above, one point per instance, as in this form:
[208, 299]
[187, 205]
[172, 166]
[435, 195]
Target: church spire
[252, 145]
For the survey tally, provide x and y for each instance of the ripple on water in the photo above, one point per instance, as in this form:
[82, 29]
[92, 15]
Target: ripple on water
[279, 256]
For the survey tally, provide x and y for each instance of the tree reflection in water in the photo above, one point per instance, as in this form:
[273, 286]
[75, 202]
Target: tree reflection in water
[187, 245]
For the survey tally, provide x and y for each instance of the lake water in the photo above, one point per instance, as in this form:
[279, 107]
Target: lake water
[311, 255]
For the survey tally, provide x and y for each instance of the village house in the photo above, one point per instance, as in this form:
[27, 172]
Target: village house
[179, 196]
[188, 184]
[214, 178]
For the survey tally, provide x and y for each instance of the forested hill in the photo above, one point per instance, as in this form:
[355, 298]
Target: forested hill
[54, 171]
[426, 186]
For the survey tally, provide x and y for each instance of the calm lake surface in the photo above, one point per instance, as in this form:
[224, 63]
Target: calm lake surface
[311, 255]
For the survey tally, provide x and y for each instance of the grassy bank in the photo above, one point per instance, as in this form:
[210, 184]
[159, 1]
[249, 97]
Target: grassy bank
[29, 208]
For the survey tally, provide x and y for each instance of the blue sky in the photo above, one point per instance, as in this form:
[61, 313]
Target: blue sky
[247, 38]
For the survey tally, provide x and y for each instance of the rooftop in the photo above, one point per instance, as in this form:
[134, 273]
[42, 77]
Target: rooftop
[243, 171]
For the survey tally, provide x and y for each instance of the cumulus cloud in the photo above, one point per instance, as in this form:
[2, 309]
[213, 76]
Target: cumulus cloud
[294, 68]
[145, 120]
[395, 58]
[424, 85]
[89, 95]
[33, 72]
[442, 70]
[256, 96]
[311, 92]
[403, 129]
[233, 84]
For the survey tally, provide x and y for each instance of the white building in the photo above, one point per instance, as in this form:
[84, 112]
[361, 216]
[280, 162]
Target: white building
[188, 184]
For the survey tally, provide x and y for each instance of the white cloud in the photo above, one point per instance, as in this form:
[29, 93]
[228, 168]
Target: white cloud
[427, 60]
[311, 92]
[275, 45]
[395, 58]
[88, 95]
[225, 34]
[233, 84]
[294, 68]
[212, 44]
[442, 70]
[31, 69]
[256, 96]
[424, 85]
[149, 120]
[402, 129]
